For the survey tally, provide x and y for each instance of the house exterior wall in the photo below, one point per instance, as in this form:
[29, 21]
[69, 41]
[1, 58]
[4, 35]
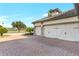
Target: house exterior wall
[37, 24]
[65, 20]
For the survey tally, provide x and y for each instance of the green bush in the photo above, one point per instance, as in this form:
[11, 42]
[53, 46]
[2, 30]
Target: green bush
[3, 30]
[29, 31]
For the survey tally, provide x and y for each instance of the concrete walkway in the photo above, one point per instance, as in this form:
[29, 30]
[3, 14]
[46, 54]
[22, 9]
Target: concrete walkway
[39, 46]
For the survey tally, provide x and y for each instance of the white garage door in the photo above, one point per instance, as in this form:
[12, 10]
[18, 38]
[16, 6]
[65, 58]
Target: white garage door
[37, 30]
[73, 32]
[54, 31]
[49, 31]
[64, 31]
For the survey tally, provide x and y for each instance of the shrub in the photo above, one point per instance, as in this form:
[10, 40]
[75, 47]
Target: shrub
[3, 30]
[29, 30]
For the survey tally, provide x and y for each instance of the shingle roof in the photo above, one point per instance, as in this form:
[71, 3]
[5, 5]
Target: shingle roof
[67, 14]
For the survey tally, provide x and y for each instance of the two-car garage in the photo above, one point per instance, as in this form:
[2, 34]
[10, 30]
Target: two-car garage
[62, 31]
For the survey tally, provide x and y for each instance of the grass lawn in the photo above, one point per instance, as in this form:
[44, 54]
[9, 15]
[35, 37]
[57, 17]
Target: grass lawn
[11, 32]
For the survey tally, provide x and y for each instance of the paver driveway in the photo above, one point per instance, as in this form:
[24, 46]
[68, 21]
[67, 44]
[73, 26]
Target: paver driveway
[39, 46]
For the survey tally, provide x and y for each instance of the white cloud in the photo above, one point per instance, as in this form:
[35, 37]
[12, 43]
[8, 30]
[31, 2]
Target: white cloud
[3, 18]
[45, 15]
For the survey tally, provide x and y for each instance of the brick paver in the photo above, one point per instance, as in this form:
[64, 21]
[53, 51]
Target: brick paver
[39, 46]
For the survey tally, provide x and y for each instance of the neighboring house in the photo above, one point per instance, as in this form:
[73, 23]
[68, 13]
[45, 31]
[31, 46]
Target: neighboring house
[59, 25]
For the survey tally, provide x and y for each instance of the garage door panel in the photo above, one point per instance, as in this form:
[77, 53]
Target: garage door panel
[73, 34]
[49, 31]
[38, 31]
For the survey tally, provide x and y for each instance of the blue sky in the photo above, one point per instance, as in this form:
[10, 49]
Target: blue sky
[28, 12]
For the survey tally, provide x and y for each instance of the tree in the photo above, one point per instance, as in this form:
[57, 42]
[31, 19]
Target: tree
[29, 29]
[3, 30]
[0, 26]
[49, 12]
[19, 25]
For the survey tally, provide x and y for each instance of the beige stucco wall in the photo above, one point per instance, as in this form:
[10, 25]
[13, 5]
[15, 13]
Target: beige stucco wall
[65, 20]
[37, 24]
[71, 19]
